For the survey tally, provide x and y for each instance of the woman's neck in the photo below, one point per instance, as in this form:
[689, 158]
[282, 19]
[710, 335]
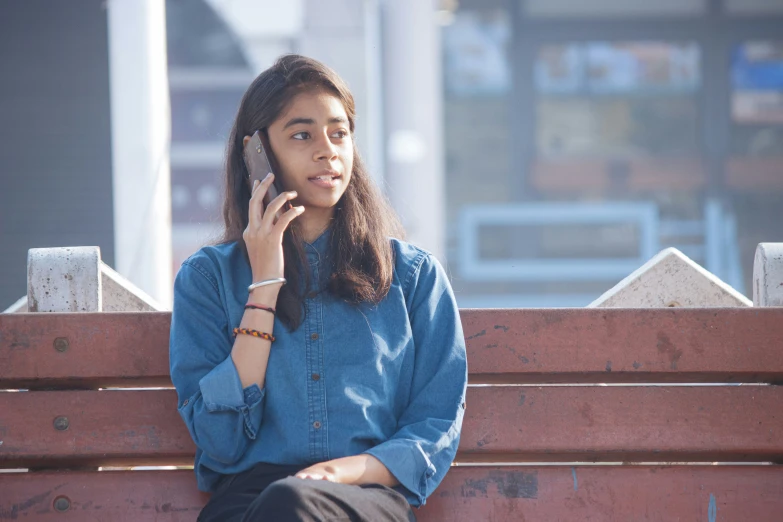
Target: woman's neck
[314, 221]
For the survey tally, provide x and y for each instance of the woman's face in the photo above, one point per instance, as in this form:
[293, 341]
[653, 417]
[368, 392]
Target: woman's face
[313, 145]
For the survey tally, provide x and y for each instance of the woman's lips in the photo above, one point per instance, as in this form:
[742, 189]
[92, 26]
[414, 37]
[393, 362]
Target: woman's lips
[326, 180]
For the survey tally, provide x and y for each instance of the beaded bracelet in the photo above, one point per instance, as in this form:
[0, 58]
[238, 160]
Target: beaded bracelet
[251, 306]
[255, 333]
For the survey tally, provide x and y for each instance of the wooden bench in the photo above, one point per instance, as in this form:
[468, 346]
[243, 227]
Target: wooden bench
[529, 446]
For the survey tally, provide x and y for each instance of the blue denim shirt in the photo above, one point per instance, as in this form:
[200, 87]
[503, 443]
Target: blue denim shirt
[387, 379]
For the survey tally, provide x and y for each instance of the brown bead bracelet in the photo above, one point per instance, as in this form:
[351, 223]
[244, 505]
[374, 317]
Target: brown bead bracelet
[255, 333]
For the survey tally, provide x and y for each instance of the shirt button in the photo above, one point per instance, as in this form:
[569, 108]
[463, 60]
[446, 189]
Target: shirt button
[314, 336]
[315, 376]
[312, 295]
[185, 402]
[317, 425]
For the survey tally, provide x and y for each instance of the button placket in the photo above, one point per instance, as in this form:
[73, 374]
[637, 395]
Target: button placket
[315, 383]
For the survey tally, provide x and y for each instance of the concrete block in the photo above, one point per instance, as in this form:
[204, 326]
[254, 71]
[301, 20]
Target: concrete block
[74, 279]
[64, 279]
[768, 275]
[671, 279]
[120, 295]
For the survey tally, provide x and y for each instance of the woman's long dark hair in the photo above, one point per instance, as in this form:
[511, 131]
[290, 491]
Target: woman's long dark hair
[360, 250]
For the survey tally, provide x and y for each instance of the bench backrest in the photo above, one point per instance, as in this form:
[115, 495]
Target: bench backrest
[553, 392]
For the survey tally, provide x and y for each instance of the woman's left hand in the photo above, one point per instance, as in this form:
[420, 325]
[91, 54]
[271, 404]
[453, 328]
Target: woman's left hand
[356, 470]
[320, 471]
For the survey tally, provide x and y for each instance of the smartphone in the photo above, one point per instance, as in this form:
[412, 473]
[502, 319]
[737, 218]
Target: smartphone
[258, 164]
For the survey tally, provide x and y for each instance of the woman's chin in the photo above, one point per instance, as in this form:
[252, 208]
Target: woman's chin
[319, 205]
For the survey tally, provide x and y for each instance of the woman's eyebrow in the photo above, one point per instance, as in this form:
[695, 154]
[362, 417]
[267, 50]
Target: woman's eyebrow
[310, 121]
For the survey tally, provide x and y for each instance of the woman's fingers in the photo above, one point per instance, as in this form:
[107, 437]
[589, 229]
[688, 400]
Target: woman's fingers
[285, 220]
[274, 207]
[256, 208]
[316, 476]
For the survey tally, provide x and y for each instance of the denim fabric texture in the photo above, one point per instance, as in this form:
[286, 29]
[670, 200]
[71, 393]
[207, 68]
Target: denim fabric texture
[387, 380]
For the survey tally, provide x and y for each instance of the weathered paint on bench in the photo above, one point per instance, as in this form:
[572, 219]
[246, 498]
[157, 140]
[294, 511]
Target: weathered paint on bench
[514, 416]
[501, 493]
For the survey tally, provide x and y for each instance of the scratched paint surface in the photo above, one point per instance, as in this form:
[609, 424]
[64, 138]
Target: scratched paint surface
[501, 494]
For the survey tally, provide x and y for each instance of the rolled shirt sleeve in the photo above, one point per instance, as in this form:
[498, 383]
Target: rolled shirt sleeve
[221, 416]
[420, 453]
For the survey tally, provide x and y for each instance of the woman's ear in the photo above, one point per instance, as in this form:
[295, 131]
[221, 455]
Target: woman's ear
[245, 140]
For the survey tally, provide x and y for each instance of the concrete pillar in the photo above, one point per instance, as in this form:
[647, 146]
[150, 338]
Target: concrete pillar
[413, 115]
[141, 138]
[64, 279]
[768, 275]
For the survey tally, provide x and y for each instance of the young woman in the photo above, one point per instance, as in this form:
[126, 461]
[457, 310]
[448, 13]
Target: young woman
[319, 360]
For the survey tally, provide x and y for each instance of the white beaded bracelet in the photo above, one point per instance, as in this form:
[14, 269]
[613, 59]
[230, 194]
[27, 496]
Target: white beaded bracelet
[265, 283]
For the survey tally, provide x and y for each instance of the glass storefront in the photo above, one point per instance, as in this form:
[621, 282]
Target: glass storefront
[584, 137]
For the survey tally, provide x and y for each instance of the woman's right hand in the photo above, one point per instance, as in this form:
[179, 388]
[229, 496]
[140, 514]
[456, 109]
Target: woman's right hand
[264, 234]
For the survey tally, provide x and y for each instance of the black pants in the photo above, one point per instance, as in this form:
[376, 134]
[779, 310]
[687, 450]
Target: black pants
[269, 493]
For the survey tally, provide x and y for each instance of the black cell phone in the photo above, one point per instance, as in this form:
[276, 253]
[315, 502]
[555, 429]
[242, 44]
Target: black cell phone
[258, 164]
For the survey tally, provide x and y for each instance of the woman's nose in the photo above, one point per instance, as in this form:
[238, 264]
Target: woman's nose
[325, 149]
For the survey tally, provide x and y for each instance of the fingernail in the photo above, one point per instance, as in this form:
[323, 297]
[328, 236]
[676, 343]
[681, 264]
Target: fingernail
[255, 183]
[267, 176]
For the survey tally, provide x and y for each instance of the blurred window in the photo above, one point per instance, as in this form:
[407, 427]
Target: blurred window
[477, 85]
[478, 136]
[208, 73]
[196, 196]
[204, 114]
[757, 81]
[476, 53]
[612, 8]
[197, 36]
[753, 6]
[756, 161]
[609, 99]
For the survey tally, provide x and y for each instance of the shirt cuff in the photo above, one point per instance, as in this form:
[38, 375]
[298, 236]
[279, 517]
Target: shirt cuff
[222, 390]
[406, 460]
[253, 395]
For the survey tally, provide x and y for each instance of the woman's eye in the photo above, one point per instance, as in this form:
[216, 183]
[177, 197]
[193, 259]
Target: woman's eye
[340, 134]
[301, 136]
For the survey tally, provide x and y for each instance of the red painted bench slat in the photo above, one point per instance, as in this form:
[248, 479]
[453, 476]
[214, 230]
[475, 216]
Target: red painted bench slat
[523, 346]
[102, 349]
[467, 494]
[105, 428]
[518, 423]
[625, 345]
[624, 423]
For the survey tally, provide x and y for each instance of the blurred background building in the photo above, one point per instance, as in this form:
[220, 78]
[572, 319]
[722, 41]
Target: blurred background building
[542, 149]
